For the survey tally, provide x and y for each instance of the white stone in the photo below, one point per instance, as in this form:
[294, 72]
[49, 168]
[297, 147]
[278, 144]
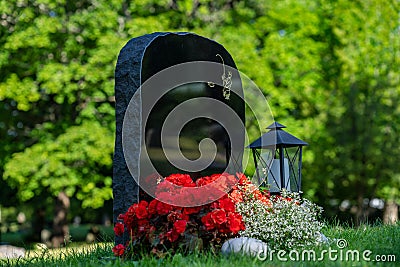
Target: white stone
[11, 252]
[245, 246]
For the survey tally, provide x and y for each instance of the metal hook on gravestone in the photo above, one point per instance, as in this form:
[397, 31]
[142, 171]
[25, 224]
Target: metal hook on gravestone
[226, 81]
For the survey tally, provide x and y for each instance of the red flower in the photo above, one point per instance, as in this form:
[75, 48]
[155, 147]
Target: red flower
[235, 222]
[180, 226]
[118, 250]
[119, 229]
[175, 215]
[186, 196]
[163, 208]
[153, 207]
[215, 176]
[242, 179]
[205, 194]
[165, 186]
[231, 180]
[127, 219]
[236, 196]
[203, 181]
[192, 210]
[157, 222]
[165, 197]
[226, 204]
[214, 205]
[152, 229]
[143, 203]
[143, 222]
[132, 209]
[223, 182]
[141, 212]
[172, 235]
[213, 194]
[208, 221]
[181, 180]
[218, 216]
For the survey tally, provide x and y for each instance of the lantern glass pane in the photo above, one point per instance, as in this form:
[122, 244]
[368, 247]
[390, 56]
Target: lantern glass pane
[274, 176]
[292, 154]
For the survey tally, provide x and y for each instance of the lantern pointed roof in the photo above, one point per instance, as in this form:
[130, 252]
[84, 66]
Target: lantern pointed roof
[276, 125]
[277, 137]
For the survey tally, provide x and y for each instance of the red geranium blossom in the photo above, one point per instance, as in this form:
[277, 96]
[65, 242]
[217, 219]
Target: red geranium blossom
[152, 208]
[118, 250]
[119, 229]
[218, 216]
[236, 196]
[172, 236]
[181, 180]
[208, 222]
[159, 225]
[180, 226]
[141, 211]
[173, 216]
[163, 208]
[226, 204]
[235, 222]
[192, 210]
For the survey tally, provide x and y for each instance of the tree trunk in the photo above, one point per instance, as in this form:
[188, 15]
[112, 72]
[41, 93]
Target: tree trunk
[362, 211]
[38, 224]
[60, 224]
[391, 213]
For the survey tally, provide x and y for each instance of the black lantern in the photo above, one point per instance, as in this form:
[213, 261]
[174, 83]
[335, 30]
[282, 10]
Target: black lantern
[277, 158]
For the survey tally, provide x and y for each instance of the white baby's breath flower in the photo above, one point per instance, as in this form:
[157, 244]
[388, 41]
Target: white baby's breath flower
[289, 224]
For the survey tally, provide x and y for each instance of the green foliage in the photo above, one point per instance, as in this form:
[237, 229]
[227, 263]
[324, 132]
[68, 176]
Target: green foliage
[57, 65]
[71, 163]
[358, 150]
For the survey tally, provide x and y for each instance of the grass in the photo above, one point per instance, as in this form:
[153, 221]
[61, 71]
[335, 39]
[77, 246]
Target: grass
[380, 240]
[77, 233]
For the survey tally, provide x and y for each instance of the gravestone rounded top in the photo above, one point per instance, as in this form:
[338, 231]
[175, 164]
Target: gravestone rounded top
[144, 56]
[175, 48]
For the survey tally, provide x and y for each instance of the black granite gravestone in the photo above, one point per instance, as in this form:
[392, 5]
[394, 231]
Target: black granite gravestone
[173, 91]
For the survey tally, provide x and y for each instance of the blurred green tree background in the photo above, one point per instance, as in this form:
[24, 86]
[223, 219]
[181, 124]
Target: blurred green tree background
[329, 69]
